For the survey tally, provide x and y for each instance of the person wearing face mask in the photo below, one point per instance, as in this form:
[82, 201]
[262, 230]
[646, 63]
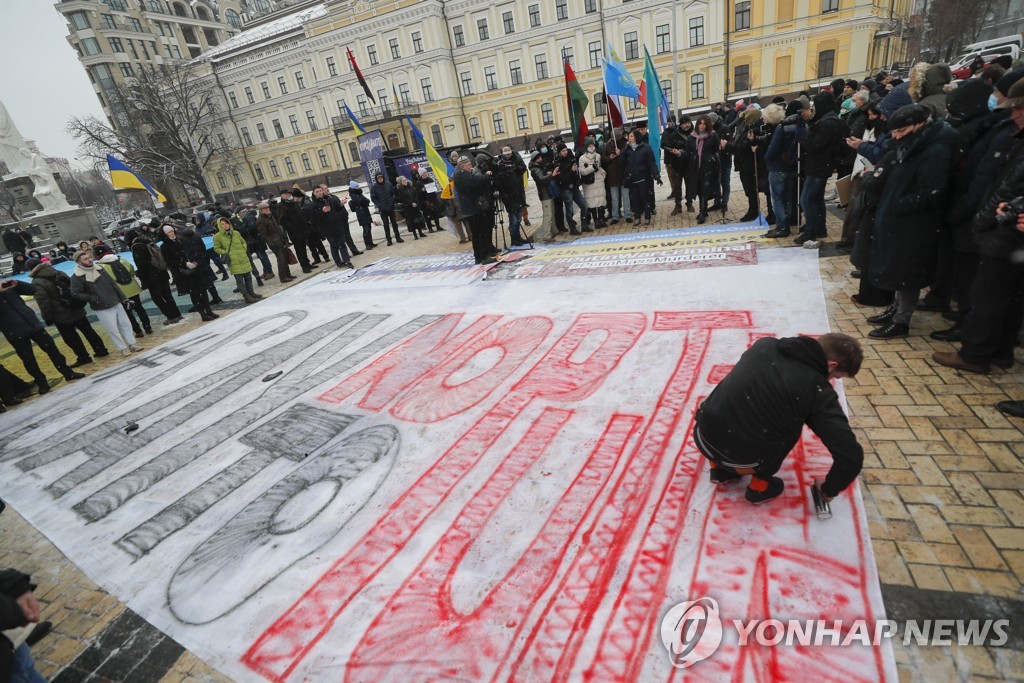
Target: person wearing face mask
[382, 194]
[508, 178]
[911, 186]
[540, 171]
[702, 165]
[567, 177]
[641, 171]
[673, 144]
[592, 176]
[618, 196]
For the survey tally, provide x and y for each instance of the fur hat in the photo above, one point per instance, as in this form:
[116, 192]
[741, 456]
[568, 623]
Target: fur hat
[751, 116]
[908, 115]
[773, 114]
[968, 100]
[794, 107]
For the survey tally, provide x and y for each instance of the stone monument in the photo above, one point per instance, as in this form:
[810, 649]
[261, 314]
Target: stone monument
[44, 208]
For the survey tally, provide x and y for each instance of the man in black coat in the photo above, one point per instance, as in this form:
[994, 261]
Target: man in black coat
[821, 148]
[673, 143]
[473, 192]
[508, 177]
[21, 327]
[755, 416]
[290, 217]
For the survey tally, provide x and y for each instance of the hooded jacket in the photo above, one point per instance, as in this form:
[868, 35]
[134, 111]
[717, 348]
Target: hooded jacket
[896, 98]
[96, 287]
[825, 133]
[759, 410]
[926, 86]
[47, 296]
[540, 171]
[383, 195]
[360, 205]
[17, 320]
[995, 240]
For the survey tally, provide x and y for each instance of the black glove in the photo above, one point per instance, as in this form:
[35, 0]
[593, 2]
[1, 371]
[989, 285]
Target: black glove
[658, 180]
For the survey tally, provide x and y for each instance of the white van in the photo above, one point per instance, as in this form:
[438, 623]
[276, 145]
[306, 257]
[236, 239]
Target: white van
[989, 50]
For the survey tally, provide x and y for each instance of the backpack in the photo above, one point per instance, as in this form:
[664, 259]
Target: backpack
[63, 283]
[156, 257]
[121, 273]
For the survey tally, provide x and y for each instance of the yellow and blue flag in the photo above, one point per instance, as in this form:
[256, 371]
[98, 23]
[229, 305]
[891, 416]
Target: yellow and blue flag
[441, 167]
[352, 117]
[124, 178]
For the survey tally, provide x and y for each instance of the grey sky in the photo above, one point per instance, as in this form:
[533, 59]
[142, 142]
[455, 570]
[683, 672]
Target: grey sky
[41, 80]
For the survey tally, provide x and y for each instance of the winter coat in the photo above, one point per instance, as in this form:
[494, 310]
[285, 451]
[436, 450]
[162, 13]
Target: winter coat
[927, 87]
[613, 167]
[328, 223]
[825, 134]
[782, 153]
[742, 147]
[360, 205]
[593, 193]
[702, 177]
[639, 164]
[405, 197]
[508, 178]
[149, 273]
[271, 232]
[251, 234]
[101, 293]
[175, 257]
[910, 208]
[976, 176]
[673, 138]
[45, 278]
[567, 178]
[290, 217]
[758, 411]
[857, 120]
[540, 171]
[472, 189]
[233, 244]
[131, 289]
[383, 195]
[17, 320]
[994, 240]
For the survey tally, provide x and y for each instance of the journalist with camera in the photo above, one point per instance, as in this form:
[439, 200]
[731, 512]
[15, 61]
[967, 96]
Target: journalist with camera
[476, 204]
[508, 169]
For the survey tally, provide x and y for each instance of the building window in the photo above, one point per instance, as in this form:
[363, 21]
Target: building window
[246, 138]
[567, 56]
[632, 45]
[107, 21]
[826, 63]
[222, 181]
[266, 90]
[460, 39]
[261, 131]
[742, 15]
[508, 23]
[131, 48]
[393, 44]
[594, 50]
[115, 44]
[663, 40]
[467, 82]
[361, 103]
[547, 115]
[79, 21]
[300, 81]
[666, 90]
[117, 5]
[428, 90]
[306, 165]
[522, 121]
[233, 18]
[237, 178]
[474, 128]
[829, 6]
[417, 42]
[382, 97]
[135, 24]
[353, 151]
[233, 100]
[696, 31]
[515, 72]
[273, 169]
[541, 62]
[248, 95]
[278, 130]
[282, 85]
[697, 87]
[258, 171]
[403, 95]
[294, 121]
[90, 46]
[600, 106]
[490, 78]
[154, 6]
[435, 132]
[481, 29]
[499, 124]
[126, 69]
[332, 67]
[589, 6]
[742, 78]
[371, 50]
[323, 159]
[561, 9]
[289, 166]
[534, 16]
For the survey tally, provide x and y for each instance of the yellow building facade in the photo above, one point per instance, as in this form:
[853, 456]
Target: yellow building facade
[475, 71]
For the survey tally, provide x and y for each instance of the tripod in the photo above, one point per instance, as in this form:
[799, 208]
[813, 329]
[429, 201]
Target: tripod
[499, 225]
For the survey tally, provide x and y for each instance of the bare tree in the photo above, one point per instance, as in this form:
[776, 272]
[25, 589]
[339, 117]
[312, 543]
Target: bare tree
[952, 24]
[167, 127]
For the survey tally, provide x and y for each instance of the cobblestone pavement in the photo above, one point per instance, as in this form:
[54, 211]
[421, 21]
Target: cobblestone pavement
[942, 482]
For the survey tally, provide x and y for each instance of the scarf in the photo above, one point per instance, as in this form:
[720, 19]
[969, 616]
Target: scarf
[701, 137]
[91, 274]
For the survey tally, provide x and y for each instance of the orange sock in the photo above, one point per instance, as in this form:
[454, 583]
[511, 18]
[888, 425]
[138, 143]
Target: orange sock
[758, 485]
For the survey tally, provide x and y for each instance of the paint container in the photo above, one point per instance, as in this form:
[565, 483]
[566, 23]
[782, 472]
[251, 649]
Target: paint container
[820, 503]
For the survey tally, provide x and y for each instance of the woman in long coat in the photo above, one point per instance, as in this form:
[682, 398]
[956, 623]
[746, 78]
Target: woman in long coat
[702, 176]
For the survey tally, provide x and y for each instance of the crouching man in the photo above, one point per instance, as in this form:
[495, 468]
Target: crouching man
[754, 417]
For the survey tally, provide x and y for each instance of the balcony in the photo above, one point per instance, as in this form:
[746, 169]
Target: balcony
[372, 116]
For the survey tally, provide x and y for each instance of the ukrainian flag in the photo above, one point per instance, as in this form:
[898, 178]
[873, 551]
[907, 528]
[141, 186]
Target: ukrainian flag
[441, 167]
[124, 178]
[354, 120]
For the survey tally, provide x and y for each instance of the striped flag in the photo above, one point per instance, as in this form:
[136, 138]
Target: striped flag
[359, 75]
[352, 117]
[441, 167]
[124, 178]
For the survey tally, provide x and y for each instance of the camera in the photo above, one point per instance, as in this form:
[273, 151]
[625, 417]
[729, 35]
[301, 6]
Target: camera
[1008, 219]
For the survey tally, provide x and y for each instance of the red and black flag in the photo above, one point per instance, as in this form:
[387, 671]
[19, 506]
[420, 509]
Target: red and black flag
[359, 75]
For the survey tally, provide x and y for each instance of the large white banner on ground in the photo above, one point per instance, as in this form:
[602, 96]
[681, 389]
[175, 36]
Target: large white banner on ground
[484, 482]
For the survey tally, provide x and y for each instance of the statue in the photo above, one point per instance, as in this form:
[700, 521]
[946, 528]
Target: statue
[22, 161]
[11, 142]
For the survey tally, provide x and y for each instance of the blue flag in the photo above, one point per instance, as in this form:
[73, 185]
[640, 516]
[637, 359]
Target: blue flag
[655, 100]
[616, 77]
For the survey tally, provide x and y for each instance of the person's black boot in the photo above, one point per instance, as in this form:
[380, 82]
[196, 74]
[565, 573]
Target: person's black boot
[893, 330]
[1011, 408]
[760, 490]
[953, 334]
[884, 317]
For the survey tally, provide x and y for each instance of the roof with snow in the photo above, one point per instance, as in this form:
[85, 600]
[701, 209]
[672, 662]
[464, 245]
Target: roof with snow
[264, 32]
